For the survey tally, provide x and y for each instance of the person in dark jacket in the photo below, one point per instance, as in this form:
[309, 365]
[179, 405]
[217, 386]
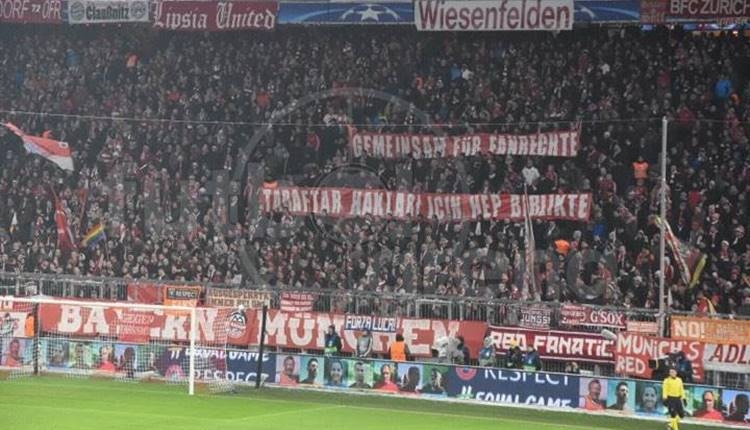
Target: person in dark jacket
[531, 360]
[333, 342]
[514, 357]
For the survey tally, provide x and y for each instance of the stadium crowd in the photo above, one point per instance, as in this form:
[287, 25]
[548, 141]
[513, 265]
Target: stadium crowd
[167, 189]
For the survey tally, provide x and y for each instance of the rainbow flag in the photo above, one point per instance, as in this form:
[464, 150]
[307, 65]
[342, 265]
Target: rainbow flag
[94, 235]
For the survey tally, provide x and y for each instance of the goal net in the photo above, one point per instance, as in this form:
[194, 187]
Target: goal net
[125, 341]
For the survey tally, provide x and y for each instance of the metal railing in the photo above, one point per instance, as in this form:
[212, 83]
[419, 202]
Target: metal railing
[494, 312]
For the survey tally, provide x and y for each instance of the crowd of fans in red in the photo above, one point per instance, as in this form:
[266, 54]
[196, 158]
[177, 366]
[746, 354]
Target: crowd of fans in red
[177, 188]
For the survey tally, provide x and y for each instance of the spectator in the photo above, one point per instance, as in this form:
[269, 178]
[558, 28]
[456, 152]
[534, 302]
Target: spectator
[154, 183]
[531, 360]
[364, 344]
[399, 351]
[332, 342]
[514, 357]
[488, 353]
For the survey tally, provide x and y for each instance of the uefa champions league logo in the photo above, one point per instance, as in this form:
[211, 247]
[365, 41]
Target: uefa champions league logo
[370, 12]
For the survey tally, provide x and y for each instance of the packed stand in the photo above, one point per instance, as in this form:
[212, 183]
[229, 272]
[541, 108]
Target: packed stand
[167, 187]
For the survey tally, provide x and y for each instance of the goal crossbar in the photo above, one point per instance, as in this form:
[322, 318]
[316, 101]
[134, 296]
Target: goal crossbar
[44, 300]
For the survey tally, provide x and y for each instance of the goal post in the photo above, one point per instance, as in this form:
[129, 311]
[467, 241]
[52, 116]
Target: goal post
[125, 341]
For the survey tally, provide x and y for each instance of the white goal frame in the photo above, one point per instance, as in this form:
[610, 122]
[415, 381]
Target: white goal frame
[193, 311]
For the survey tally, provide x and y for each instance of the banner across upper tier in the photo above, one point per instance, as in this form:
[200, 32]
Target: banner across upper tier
[378, 203]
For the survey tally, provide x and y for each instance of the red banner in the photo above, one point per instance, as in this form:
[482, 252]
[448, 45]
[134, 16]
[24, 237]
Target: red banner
[233, 298]
[297, 302]
[388, 145]
[31, 11]
[307, 331]
[633, 352]
[654, 11]
[145, 293]
[556, 345]
[357, 203]
[714, 11]
[579, 315]
[215, 15]
[710, 10]
[216, 326]
[650, 328]
[535, 317]
[134, 326]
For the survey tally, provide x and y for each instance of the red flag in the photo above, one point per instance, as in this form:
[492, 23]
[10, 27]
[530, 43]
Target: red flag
[53, 150]
[65, 240]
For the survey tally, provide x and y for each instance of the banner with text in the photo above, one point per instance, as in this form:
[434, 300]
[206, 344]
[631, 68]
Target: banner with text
[31, 11]
[634, 351]
[302, 330]
[714, 11]
[556, 345]
[233, 298]
[513, 387]
[191, 15]
[372, 323]
[710, 330]
[360, 203]
[538, 317]
[107, 11]
[306, 330]
[181, 295]
[580, 315]
[493, 15]
[727, 358]
[564, 143]
[297, 302]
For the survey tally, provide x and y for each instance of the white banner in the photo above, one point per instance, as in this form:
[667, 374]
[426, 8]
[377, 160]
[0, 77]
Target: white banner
[107, 11]
[727, 358]
[493, 15]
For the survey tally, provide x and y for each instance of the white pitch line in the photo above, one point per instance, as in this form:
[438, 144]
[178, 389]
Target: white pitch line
[296, 411]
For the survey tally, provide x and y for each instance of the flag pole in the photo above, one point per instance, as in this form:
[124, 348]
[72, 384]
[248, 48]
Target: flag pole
[663, 226]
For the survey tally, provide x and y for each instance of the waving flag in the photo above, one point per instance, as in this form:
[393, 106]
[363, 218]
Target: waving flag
[689, 260]
[53, 150]
[94, 235]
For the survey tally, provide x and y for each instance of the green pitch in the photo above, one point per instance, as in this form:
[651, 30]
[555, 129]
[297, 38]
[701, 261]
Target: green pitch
[53, 403]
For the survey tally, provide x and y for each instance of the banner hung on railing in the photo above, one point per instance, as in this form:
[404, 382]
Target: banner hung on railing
[536, 317]
[145, 293]
[306, 330]
[31, 11]
[296, 302]
[107, 11]
[346, 13]
[710, 330]
[727, 358]
[386, 204]
[233, 298]
[513, 387]
[489, 15]
[191, 15]
[581, 315]
[372, 323]
[302, 330]
[181, 295]
[564, 143]
[634, 351]
[555, 344]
